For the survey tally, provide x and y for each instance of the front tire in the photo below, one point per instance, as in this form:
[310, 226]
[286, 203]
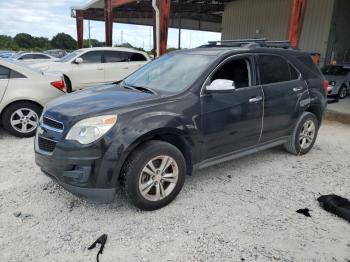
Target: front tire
[304, 135]
[153, 175]
[343, 92]
[21, 119]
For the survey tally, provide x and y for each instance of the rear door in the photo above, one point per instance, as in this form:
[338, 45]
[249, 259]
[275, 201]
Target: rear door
[4, 80]
[285, 92]
[120, 64]
[116, 66]
[90, 72]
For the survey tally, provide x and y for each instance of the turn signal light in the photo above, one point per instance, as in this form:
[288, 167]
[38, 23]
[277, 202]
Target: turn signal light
[59, 85]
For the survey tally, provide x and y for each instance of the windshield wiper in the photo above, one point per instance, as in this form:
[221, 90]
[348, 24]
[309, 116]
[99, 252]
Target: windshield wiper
[143, 89]
[139, 88]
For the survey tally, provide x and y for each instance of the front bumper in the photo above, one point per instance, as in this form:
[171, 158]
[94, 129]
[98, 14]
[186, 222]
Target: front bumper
[90, 172]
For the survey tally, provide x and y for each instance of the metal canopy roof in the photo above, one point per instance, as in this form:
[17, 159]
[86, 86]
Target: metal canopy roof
[204, 15]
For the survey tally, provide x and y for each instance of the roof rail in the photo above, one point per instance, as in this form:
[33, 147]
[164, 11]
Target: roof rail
[250, 43]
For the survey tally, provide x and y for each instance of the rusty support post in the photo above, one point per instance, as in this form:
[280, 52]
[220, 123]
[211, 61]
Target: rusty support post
[80, 28]
[108, 12]
[164, 10]
[296, 21]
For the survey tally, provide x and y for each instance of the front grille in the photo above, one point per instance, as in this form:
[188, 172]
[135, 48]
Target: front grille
[46, 145]
[52, 123]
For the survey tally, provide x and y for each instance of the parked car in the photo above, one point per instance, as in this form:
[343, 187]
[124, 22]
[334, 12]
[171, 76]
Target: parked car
[32, 57]
[185, 110]
[23, 94]
[338, 77]
[6, 54]
[91, 66]
[58, 53]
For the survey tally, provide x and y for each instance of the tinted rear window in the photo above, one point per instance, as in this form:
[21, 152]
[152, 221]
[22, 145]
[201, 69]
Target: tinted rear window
[275, 69]
[309, 68]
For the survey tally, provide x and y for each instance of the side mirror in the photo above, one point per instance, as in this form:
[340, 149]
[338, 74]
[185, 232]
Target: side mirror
[78, 60]
[221, 85]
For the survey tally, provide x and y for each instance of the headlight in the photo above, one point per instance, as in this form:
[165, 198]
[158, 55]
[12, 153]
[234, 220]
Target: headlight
[89, 130]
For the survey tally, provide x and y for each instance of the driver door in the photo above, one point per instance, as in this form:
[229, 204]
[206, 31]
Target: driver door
[232, 119]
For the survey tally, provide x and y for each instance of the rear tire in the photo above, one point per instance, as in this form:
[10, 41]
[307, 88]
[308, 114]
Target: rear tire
[343, 92]
[153, 175]
[304, 135]
[68, 84]
[21, 118]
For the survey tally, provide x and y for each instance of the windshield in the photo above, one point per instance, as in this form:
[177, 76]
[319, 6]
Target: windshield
[170, 73]
[70, 56]
[335, 70]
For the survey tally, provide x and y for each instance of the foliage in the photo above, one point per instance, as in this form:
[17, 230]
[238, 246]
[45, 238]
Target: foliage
[93, 43]
[64, 41]
[7, 43]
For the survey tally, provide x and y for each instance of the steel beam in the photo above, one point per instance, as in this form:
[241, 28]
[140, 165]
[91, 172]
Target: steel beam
[80, 28]
[296, 21]
[164, 13]
[108, 14]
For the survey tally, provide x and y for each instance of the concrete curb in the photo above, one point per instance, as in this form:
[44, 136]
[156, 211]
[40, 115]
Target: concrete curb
[337, 116]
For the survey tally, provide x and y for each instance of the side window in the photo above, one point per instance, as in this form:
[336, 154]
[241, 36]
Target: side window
[92, 57]
[15, 74]
[113, 57]
[26, 57]
[238, 70]
[4, 72]
[137, 57]
[39, 56]
[273, 69]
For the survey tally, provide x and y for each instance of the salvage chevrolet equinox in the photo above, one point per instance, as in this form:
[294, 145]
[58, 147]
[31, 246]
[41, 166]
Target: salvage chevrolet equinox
[184, 111]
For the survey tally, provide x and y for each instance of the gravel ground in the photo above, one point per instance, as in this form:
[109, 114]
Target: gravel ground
[243, 210]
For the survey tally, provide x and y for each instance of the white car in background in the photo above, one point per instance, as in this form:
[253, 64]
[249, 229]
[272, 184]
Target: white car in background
[32, 57]
[23, 94]
[91, 66]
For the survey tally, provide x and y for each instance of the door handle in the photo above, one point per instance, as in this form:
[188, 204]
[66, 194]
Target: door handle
[297, 89]
[255, 99]
[125, 68]
[99, 69]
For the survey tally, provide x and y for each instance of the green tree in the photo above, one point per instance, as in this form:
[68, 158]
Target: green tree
[42, 43]
[7, 43]
[93, 42]
[63, 41]
[24, 40]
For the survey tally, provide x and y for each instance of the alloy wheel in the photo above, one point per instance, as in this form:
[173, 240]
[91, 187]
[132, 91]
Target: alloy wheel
[158, 178]
[24, 120]
[307, 134]
[343, 93]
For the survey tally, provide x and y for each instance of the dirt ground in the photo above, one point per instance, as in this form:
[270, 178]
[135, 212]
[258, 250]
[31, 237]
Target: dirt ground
[243, 210]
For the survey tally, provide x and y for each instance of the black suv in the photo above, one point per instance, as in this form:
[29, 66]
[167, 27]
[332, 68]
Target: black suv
[185, 110]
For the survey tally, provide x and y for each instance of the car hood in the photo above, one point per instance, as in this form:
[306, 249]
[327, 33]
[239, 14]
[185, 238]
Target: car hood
[95, 101]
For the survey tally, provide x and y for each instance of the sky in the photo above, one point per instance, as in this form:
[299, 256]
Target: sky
[48, 17]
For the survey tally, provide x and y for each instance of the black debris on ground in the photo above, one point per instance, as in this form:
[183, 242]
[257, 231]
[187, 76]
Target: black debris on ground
[337, 205]
[304, 211]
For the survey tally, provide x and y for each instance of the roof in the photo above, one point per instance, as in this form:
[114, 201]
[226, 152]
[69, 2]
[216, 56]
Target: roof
[205, 15]
[113, 49]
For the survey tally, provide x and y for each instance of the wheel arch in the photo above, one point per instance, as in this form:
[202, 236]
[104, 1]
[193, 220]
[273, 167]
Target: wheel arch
[172, 136]
[19, 101]
[317, 111]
